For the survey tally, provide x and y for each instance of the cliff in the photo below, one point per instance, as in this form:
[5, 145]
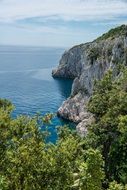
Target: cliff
[86, 63]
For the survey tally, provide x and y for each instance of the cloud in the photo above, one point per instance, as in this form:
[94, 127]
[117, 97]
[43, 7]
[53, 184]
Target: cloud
[56, 22]
[67, 10]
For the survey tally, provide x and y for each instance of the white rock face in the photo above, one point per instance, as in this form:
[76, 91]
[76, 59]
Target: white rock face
[82, 126]
[70, 64]
[85, 64]
[73, 108]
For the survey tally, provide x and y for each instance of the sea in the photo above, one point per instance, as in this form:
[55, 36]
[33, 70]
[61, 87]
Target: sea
[26, 80]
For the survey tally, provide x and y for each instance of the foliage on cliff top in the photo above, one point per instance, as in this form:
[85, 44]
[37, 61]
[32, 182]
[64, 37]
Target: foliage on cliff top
[115, 32]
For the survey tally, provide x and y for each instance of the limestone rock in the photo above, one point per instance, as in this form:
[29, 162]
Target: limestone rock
[70, 64]
[86, 63]
[82, 127]
[73, 108]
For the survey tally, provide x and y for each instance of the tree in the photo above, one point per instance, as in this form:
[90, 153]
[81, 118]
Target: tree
[109, 105]
[90, 174]
[115, 186]
[27, 162]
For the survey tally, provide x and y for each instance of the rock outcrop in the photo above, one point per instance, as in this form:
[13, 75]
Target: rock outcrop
[86, 63]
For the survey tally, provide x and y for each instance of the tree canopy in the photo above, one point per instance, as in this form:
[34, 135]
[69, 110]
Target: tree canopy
[96, 162]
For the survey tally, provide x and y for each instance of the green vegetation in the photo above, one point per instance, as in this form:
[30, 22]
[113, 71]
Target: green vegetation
[94, 54]
[27, 162]
[95, 162]
[109, 105]
[118, 31]
[115, 186]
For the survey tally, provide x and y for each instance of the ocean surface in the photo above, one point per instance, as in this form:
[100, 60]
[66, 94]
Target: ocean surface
[25, 79]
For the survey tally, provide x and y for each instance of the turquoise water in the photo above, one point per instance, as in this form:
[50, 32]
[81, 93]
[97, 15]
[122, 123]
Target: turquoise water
[25, 79]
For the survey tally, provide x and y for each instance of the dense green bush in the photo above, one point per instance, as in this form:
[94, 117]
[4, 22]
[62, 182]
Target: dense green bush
[95, 162]
[109, 105]
[27, 162]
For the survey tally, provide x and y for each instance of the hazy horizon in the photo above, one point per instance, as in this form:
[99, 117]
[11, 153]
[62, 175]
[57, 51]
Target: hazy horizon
[53, 23]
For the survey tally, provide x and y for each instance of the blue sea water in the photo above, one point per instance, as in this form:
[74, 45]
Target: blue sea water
[25, 79]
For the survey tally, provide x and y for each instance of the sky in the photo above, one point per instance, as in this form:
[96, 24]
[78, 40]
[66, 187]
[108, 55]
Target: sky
[59, 23]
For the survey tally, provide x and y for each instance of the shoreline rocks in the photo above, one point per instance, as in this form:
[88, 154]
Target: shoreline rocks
[86, 63]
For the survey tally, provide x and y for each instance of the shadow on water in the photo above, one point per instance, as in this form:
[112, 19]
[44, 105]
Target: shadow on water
[64, 86]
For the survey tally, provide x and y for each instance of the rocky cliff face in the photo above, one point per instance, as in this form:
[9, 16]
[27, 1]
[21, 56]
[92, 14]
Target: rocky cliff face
[86, 63]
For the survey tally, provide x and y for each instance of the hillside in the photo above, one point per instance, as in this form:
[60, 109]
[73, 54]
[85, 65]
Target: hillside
[86, 63]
